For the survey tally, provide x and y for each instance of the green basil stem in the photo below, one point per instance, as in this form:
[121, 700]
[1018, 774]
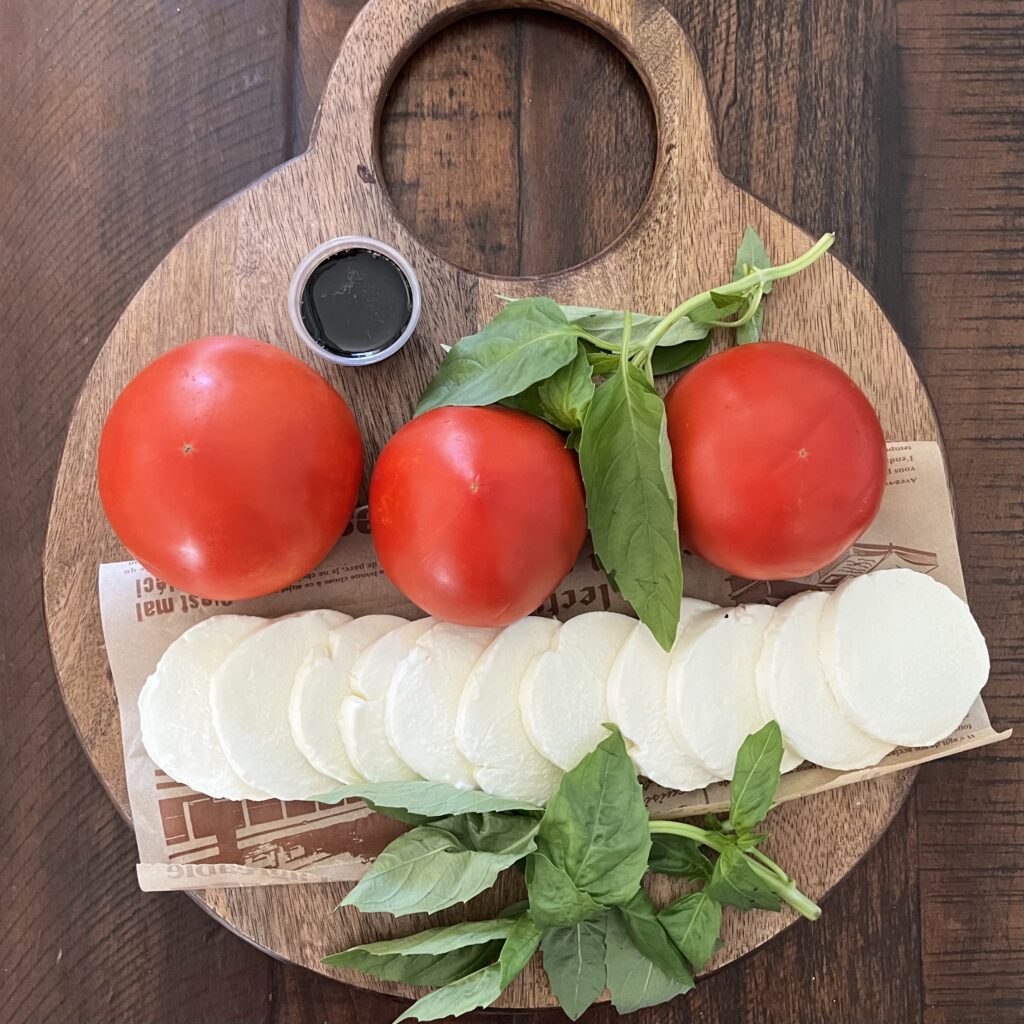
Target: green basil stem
[753, 301]
[756, 278]
[767, 870]
[607, 346]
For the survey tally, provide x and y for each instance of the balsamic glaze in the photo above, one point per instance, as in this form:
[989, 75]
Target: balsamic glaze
[356, 302]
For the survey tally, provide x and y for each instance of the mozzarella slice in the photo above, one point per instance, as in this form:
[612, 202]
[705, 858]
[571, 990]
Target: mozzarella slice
[712, 699]
[250, 695]
[792, 689]
[489, 729]
[903, 656]
[562, 697]
[423, 701]
[637, 704]
[175, 710]
[363, 711]
[321, 685]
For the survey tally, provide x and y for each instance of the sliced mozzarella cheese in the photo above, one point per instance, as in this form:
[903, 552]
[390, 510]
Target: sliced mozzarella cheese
[903, 656]
[363, 711]
[175, 710]
[423, 701]
[792, 689]
[489, 728]
[321, 684]
[712, 699]
[637, 704]
[562, 697]
[250, 696]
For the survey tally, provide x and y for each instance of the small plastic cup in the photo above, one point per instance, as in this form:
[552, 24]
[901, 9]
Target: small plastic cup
[324, 252]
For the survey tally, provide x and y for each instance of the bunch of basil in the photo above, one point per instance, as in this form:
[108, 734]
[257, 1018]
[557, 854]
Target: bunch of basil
[584, 858]
[541, 358]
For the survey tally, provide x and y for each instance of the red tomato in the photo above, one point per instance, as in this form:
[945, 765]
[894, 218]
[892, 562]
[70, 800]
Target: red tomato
[229, 468]
[779, 460]
[477, 514]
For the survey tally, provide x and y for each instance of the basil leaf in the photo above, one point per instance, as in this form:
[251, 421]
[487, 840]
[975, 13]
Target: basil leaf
[678, 855]
[712, 823]
[492, 833]
[516, 909]
[608, 324]
[472, 992]
[429, 799]
[398, 813]
[736, 885]
[650, 937]
[521, 944]
[595, 826]
[631, 498]
[634, 981]
[525, 343]
[668, 360]
[527, 401]
[418, 968]
[433, 940]
[756, 777]
[693, 922]
[431, 868]
[561, 400]
[750, 332]
[565, 396]
[483, 986]
[721, 300]
[603, 363]
[751, 255]
[717, 307]
[554, 899]
[663, 360]
[574, 964]
[748, 840]
[436, 956]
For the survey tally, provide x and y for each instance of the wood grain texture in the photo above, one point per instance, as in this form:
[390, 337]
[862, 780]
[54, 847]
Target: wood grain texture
[120, 124]
[105, 100]
[239, 261]
[964, 278]
[547, 143]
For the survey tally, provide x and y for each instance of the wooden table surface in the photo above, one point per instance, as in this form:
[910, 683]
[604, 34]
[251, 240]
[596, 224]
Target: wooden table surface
[518, 143]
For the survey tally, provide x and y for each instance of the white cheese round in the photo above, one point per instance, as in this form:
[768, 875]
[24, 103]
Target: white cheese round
[489, 728]
[362, 712]
[903, 656]
[423, 701]
[321, 684]
[711, 696]
[637, 704]
[175, 711]
[250, 696]
[792, 689]
[562, 697]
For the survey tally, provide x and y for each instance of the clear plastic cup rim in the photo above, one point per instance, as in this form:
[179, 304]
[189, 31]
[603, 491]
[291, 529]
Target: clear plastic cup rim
[314, 259]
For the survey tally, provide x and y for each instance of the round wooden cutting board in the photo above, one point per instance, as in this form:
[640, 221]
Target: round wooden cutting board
[230, 274]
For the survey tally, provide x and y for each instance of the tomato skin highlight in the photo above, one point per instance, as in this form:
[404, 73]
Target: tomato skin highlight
[229, 468]
[779, 460]
[477, 513]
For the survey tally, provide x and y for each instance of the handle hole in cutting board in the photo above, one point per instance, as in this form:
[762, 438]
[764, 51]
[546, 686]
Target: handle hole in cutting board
[493, 92]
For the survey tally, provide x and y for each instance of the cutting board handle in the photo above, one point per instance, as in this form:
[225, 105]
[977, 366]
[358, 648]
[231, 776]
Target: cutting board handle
[387, 32]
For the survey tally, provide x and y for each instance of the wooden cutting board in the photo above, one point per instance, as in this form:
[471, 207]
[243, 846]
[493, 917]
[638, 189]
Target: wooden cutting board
[230, 274]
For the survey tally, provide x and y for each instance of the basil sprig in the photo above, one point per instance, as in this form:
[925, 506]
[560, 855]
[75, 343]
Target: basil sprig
[541, 358]
[585, 857]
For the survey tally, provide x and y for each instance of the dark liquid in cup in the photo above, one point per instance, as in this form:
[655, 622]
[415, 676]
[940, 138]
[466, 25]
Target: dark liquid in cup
[356, 302]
